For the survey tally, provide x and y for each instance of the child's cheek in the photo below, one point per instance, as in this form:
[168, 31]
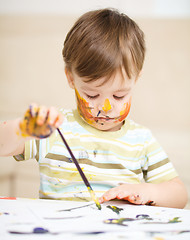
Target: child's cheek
[125, 111]
[84, 108]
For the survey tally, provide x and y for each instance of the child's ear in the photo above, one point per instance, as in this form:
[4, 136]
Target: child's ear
[70, 78]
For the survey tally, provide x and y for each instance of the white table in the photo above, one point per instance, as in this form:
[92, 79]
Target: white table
[21, 218]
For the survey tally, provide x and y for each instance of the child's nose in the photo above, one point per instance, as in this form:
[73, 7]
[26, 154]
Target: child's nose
[107, 106]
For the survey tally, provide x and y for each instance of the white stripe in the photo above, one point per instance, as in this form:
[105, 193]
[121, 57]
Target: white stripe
[157, 157]
[120, 144]
[160, 170]
[160, 175]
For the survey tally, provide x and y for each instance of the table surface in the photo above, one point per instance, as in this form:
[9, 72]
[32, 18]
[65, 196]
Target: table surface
[23, 218]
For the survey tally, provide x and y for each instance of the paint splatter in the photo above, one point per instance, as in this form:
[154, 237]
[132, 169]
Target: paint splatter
[4, 213]
[174, 220]
[74, 208]
[40, 230]
[115, 209]
[119, 221]
[151, 203]
[143, 216]
[95, 153]
[140, 218]
[37, 230]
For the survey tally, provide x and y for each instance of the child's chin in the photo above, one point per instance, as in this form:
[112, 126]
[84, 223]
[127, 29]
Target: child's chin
[106, 127]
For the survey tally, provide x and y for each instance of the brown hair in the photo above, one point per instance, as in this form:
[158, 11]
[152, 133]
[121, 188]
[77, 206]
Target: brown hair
[101, 42]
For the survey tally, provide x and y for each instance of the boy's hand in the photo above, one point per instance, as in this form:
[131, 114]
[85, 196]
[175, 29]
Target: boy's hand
[134, 193]
[40, 121]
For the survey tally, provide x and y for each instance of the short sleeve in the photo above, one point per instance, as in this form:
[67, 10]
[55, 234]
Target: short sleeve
[30, 151]
[156, 165]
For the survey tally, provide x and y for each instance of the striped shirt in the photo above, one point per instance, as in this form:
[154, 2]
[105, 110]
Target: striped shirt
[129, 155]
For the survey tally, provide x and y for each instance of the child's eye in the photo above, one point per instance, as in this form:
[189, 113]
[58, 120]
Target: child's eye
[118, 97]
[92, 97]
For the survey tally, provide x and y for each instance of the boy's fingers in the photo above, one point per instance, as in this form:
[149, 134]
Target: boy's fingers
[55, 118]
[135, 199]
[52, 117]
[33, 109]
[42, 115]
[101, 200]
[123, 195]
[109, 195]
[59, 120]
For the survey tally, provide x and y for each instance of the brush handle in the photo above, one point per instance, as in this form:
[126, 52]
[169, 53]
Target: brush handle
[75, 161]
[85, 180]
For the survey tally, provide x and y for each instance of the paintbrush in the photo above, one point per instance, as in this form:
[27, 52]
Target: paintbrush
[85, 180]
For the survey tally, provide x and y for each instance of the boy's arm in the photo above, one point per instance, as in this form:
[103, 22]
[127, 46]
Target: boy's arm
[166, 194]
[11, 143]
[37, 123]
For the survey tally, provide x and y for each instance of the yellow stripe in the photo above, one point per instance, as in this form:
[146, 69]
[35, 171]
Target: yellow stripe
[163, 178]
[75, 176]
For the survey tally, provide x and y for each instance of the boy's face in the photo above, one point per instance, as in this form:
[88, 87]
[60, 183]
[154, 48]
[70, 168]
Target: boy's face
[103, 105]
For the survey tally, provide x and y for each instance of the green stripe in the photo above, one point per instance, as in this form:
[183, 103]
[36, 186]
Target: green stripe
[159, 164]
[58, 157]
[85, 161]
[91, 163]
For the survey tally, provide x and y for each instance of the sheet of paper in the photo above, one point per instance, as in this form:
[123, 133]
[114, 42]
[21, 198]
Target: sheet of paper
[76, 219]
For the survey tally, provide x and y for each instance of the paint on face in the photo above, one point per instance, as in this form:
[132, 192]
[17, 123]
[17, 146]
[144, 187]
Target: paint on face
[98, 113]
[84, 108]
[125, 111]
[107, 105]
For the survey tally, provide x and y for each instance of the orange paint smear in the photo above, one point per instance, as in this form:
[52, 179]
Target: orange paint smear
[84, 108]
[125, 111]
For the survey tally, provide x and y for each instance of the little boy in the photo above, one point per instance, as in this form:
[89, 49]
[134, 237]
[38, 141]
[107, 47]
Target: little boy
[104, 54]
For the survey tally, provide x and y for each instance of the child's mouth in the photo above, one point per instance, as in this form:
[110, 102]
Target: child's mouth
[106, 118]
